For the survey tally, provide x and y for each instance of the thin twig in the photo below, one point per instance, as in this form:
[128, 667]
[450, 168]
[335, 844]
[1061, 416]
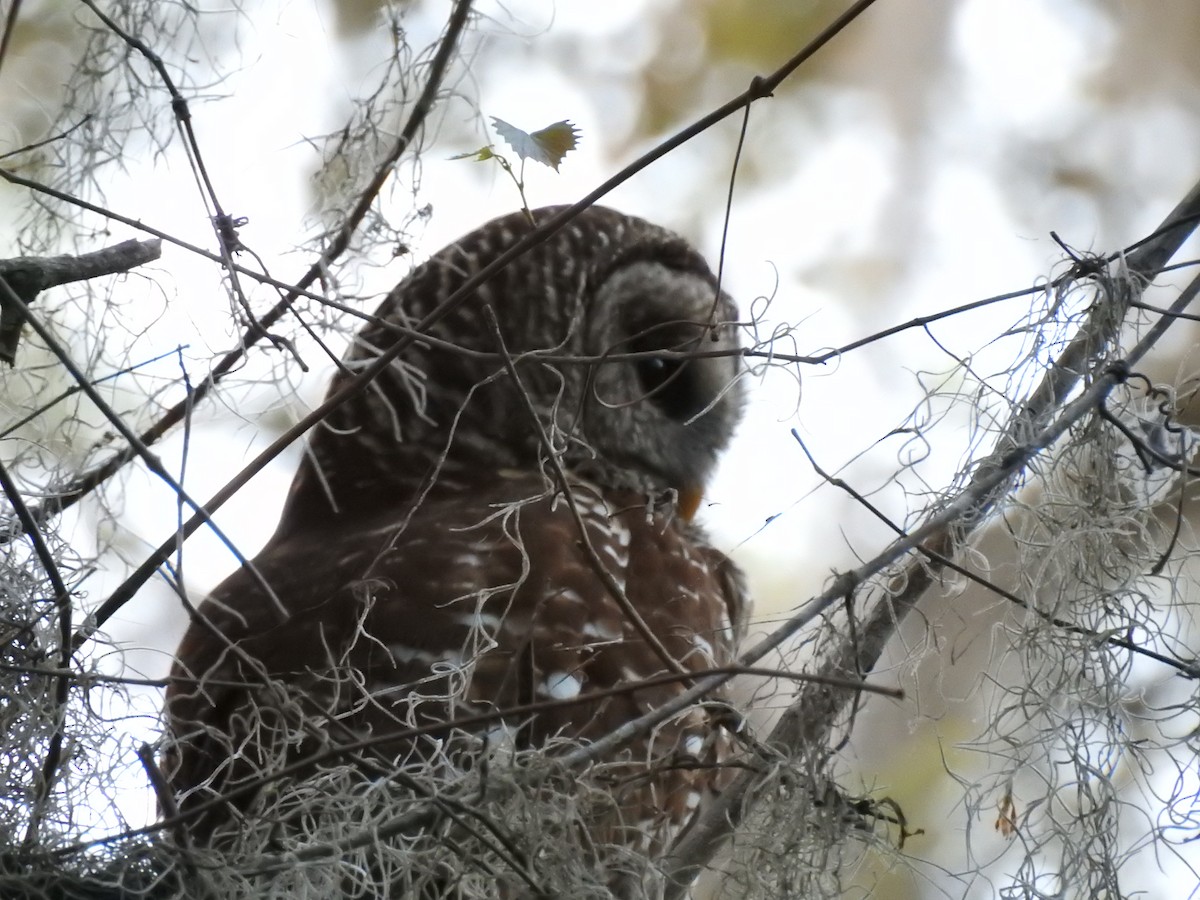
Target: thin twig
[1186, 669]
[615, 591]
[183, 118]
[340, 752]
[9, 297]
[10, 25]
[87, 482]
[760, 87]
[62, 689]
[1037, 426]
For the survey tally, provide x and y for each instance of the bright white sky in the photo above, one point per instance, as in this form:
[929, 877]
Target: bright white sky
[830, 201]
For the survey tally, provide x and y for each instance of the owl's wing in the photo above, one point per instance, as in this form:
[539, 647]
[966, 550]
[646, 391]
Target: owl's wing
[732, 583]
[469, 608]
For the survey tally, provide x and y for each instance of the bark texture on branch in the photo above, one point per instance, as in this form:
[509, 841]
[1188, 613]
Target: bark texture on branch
[28, 276]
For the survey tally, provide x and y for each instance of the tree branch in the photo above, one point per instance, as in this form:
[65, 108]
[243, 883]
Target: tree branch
[28, 276]
[87, 482]
[809, 720]
[758, 89]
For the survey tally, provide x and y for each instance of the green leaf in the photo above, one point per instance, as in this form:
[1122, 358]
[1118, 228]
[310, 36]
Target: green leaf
[480, 155]
[547, 145]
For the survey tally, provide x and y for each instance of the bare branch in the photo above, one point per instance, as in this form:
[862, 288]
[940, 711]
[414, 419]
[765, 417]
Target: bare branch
[811, 717]
[30, 275]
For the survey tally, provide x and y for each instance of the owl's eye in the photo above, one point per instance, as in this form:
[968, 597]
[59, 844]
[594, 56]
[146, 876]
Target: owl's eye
[654, 372]
[667, 383]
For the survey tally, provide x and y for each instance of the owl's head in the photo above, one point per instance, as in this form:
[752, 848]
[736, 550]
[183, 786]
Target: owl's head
[622, 343]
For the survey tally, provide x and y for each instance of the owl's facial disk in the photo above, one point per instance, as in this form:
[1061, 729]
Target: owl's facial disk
[664, 415]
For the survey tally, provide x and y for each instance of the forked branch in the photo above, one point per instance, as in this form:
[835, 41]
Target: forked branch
[809, 721]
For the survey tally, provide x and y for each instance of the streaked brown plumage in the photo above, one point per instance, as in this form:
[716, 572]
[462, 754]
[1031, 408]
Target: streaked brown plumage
[426, 568]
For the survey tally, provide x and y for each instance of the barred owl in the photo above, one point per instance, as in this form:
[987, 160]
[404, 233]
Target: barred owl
[429, 597]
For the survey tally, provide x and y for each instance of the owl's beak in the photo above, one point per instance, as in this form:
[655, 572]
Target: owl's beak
[689, 502]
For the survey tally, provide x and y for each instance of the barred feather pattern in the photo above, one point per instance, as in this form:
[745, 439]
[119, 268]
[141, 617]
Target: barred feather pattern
[433, 596]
